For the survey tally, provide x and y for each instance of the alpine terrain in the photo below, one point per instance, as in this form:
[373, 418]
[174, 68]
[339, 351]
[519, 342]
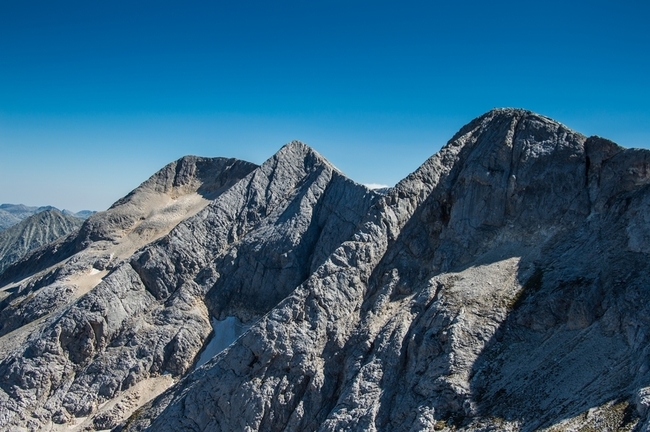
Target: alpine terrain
[504, 285]
[12, 214]
[33, 232]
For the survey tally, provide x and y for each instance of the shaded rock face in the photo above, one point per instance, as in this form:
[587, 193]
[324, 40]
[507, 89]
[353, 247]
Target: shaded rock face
[501, 286]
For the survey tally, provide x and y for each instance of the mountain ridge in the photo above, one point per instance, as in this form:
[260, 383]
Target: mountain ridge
[452, 405]
[489, 289]
[34, 231]
[11, 214]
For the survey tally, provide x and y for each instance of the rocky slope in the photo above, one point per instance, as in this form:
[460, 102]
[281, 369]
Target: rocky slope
[501, 286]
[264, 228]
[33, 232]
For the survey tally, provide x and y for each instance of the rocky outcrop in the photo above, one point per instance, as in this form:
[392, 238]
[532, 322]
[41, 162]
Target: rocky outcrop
[478, 294]
[33, 232]
[501, 286]
[260, 237]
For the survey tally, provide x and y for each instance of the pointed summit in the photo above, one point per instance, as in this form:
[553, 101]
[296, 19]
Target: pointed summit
[299, 153]
[296, 145]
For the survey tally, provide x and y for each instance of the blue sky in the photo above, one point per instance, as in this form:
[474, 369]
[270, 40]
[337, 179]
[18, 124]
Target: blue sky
[96, 96]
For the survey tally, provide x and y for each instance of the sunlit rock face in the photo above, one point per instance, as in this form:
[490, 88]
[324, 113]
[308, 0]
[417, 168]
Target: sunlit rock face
[501, 286]
[134, 294]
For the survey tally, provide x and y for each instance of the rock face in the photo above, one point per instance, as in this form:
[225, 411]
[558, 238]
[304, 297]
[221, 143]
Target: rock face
[33, 232]
[501, 286]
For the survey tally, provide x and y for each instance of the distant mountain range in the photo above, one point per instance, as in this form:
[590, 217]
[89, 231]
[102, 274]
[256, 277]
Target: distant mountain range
[11, 214]
[25, 228]
[33, 232]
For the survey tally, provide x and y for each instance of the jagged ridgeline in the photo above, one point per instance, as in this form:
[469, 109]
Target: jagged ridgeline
[504, 285]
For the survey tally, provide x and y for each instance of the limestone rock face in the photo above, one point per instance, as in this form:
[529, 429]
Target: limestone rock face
[478, 294]
[501, 286]
[260, 236]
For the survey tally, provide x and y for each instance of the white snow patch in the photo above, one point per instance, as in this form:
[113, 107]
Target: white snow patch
[225, 332]
[375, 185]
[94, 271]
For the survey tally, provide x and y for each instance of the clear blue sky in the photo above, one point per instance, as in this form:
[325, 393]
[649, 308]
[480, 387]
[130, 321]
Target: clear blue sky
[95, 96]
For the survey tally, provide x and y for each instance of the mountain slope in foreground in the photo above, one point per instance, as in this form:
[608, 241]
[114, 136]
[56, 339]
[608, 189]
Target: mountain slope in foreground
[501, 286]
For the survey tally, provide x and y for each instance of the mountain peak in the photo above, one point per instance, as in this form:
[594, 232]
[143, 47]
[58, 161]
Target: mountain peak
[516, 113]
[506, 125]
[298, 153]
[493, 141]
[434, 296]
[297, 147]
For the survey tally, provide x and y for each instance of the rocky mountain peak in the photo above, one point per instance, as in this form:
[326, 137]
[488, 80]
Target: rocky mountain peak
[298, 155]
[501, 286]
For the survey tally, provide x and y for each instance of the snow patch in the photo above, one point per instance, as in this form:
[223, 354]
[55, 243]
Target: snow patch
[225, 332]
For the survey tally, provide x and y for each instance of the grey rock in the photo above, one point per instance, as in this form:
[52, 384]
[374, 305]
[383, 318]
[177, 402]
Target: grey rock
[146, 319]
[478, 294]
[501, 286]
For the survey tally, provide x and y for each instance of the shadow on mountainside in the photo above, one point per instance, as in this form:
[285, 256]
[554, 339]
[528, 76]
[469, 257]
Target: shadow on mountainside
[39, 260]
[576, 336]
[573, 341]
